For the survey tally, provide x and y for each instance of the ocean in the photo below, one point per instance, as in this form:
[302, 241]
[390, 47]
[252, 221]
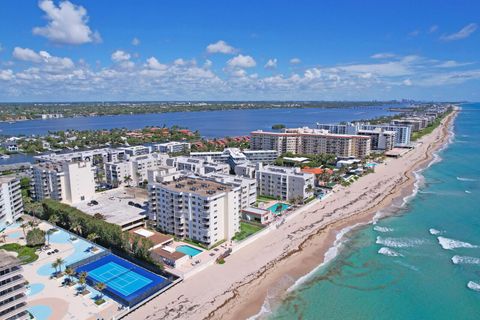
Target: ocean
[422, 262]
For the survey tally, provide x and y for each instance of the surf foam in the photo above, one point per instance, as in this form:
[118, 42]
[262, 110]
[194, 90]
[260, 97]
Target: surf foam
[389, 252]
[398, 242]
[465, 260]
[473, 285]
[450, 244]
[466, 179]
[434, 231]
[382, 229]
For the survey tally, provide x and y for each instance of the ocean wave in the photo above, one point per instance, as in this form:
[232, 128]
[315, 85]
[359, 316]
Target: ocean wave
[450, 244]
[389, 252]
[434, 231]
[473, 285]
[465, 260]
[399, 242]
[382, 229]
[466, 191]
[465, 179]
[329, 255]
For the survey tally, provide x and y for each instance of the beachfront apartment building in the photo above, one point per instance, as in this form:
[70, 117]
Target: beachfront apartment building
[311, 141]
[13, 297]
[284, 183]
[11, 203]
[68, 182]
[235, 156]
[403, 133]
[200, 166]
[248, 187]
[134, 170]
[171, 147]
[136, 150]
[96, 156]
[380, 140]
[196, 208]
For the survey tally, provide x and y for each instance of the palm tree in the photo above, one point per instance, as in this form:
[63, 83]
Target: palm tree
[127, 179]
[92, 237]
[100, 287]
[49, 233]
[55, 266]
[53, 219]
[77, 228]
[59, 262]
[82, 280]
[24, 226]
[69, 272]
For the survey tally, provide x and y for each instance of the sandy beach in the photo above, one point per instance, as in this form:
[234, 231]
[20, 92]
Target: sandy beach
[274, 262]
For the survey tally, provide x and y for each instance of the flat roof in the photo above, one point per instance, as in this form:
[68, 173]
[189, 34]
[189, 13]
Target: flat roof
[202, 187]
[8, 259]
[154, 236]
[256, 211]
[113, 205]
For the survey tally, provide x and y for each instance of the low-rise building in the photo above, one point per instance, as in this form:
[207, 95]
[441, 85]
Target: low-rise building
[11, 204]
[136, 150]
[258, 215]
[247, 169]
[68, 182]
[200, 166]
[284, 183]
[198, 209]
[235, 156]
[171, 147]
[13, 297]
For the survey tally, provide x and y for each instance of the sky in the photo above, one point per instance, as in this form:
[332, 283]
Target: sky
[90, 50]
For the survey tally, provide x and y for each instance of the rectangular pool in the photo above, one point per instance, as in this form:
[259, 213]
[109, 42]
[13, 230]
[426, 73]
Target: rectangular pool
[189, 251]
[278, 208]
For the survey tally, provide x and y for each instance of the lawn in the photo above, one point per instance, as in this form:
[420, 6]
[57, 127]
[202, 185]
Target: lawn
[25, 254]
[246, 230]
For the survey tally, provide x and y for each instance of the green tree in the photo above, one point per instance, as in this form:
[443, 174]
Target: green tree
[100, 286]
[59, 262]
[82, 280]
[35, 237]
[49, 233]
[53, 219]
[92, 237]
[69, 272]
[127, 179]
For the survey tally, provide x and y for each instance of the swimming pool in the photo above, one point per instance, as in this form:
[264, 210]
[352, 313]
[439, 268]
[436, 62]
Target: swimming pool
[189, 251]
[125, 282]
[278, 208]
[35, 288]
[41, 312]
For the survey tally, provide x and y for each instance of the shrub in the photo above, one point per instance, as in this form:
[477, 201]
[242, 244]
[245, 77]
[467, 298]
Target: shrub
[35, 237]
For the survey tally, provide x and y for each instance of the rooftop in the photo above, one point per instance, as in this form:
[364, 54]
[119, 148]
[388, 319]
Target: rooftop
[7, 259]
[206, 188]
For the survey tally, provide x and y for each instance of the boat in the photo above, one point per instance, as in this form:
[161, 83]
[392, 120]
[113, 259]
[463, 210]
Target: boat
[4, 156]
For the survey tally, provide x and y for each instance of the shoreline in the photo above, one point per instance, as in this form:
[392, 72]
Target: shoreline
[277, 261]
[329, 234]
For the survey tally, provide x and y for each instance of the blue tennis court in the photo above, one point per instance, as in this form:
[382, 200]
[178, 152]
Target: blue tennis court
[125, 282]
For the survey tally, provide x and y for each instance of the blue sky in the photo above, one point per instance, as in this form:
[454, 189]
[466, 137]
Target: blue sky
[83, 50]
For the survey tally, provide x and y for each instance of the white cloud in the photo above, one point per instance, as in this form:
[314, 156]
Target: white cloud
[295, 61]
[26, 54]
[453, 64]
[414, 33]
[67, 24]
[154, 64]
[407, 82]
[463, 33]
[6, 75]
[135, 41]
[382, 55]
[271, 64]
[120, 55]
[221, 47]
[241, 61]
[433, 28]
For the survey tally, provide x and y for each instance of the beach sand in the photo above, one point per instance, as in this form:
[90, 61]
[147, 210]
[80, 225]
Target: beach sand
[274, 262]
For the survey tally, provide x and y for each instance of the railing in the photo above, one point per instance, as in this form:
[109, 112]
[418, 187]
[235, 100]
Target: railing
[90, 259]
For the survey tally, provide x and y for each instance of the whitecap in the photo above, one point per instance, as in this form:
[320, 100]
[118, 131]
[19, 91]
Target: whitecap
[473, 285]
[382, 229]
[466, 191]
[399, 242]
[389, 252]
[434, 231]
[450, 244]
[465, 260]
[465, 179]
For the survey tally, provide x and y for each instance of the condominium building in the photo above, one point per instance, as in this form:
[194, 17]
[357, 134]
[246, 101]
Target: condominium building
[415, 124]
[199, 166]
[198, 209]
[247, 169]
[248, 187]
[284, 183]
[380, 139]
[68, 182]
[134, 170]
[403, 133]
[96, 156]
[13, 298]
[235, 156]
[136, 150]
[311, 141]
[171, 147]
[11, 204]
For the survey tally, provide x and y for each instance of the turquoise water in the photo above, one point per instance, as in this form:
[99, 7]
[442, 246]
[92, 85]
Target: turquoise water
[189, 251]
[41, 312]
[278, 207]
[35, 288]
[422, 263]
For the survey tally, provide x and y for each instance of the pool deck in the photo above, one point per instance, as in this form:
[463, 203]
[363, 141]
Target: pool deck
[63, 301]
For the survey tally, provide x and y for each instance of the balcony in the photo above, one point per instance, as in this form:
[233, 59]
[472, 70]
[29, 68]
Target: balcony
[22, 298]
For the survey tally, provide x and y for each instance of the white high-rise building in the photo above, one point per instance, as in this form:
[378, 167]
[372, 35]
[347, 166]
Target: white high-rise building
[198, 209]
[13, 297]
[11, 204]
[284, 183]
[68, 182]
[248, 187]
